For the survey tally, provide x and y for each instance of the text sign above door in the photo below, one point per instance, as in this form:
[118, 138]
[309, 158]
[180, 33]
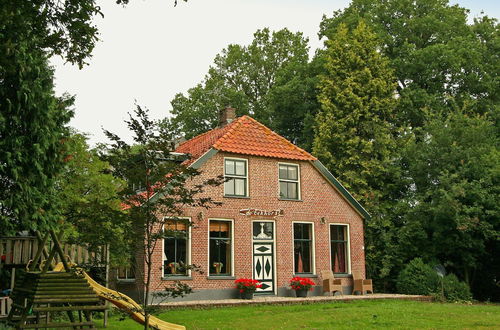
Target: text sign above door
[258, 212]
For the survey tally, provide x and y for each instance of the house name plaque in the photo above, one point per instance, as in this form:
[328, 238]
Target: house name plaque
[258, 212]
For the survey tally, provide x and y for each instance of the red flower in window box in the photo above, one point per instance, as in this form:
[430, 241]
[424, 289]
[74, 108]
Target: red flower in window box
[247, 285]
[300, 283]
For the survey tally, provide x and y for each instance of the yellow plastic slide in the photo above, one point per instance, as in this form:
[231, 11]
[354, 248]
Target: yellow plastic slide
[127, 304]
[130, 306]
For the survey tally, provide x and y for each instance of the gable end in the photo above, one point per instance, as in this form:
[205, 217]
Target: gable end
[341, 189]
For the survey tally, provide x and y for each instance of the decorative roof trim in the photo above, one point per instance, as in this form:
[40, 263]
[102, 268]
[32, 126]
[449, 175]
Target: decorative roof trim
[341, 189]
[204, 158]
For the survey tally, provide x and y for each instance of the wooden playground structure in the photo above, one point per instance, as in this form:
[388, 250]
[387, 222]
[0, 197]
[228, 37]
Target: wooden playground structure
[47, 279]
[37, 291]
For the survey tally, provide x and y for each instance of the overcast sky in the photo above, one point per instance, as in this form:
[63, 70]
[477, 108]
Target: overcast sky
[149, 51]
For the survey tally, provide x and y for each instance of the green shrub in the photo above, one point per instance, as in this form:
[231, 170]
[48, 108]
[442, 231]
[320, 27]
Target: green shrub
[418, 278]
[454, 290]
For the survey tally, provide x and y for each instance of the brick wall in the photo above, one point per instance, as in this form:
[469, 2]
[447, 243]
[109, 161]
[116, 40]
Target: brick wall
[318, 200]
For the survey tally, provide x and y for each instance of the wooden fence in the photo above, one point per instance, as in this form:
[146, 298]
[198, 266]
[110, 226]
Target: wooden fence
[20, 250]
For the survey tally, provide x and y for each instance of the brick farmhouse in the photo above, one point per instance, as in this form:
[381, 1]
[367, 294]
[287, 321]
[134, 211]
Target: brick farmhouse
[283, 214]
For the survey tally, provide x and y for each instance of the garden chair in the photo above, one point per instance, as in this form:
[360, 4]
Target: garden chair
[330, 283]
[361, 284]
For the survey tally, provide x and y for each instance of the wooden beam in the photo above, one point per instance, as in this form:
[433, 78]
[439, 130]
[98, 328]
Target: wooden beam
[39, 252]
[57, 247]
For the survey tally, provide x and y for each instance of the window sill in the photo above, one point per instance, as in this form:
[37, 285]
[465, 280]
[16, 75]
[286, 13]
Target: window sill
[305, 275]
[342, 275]
[125, 281]
[290, 200]
[176, 278]
[240, 197]
[221, 277]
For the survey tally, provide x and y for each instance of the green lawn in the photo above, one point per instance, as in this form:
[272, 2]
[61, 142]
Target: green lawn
[343, 315]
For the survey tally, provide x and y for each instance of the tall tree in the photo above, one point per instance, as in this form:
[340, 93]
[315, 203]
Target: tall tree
[89, 201]
[355, 131]
[158, 187]
[32, 123]
[354, 135]
[32, 118]
[243, 77]
[440, 61]
[293, 102]
[453, 212]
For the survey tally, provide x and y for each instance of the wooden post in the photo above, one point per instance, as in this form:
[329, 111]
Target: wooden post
[8, 257]
[13, 278]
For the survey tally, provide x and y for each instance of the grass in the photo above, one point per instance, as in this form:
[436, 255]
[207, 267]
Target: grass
[339, 315]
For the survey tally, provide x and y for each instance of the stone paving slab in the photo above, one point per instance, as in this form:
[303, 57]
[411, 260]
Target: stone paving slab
[274, 300]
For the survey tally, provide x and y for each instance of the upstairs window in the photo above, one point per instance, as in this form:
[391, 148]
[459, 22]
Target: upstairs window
[235, 171]
[289, 181]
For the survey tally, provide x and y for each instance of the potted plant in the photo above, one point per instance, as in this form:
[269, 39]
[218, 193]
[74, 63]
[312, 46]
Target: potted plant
[218, 266]
[301, 286]
[247, 287]
[173, 267]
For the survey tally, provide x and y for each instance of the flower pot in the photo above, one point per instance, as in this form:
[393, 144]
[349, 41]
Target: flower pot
[246, 295]
[302, 293]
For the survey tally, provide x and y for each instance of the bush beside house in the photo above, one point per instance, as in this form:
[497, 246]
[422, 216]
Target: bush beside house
[420, 278]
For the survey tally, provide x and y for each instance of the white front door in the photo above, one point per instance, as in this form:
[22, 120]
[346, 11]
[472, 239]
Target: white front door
[263, 255]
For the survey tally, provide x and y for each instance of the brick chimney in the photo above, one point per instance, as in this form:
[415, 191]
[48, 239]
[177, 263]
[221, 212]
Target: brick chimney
[226, 116]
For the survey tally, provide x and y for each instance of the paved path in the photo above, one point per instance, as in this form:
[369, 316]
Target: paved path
[274, 300]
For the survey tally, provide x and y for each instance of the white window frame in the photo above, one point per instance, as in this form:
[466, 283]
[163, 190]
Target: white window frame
[232, 246]
[247, 181]
[126, 278]
[188, 249]
[348, 244]
[313, 247]
[299, 195]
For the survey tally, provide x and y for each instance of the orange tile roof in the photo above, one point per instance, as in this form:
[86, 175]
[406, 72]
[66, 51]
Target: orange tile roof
[244, 136]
